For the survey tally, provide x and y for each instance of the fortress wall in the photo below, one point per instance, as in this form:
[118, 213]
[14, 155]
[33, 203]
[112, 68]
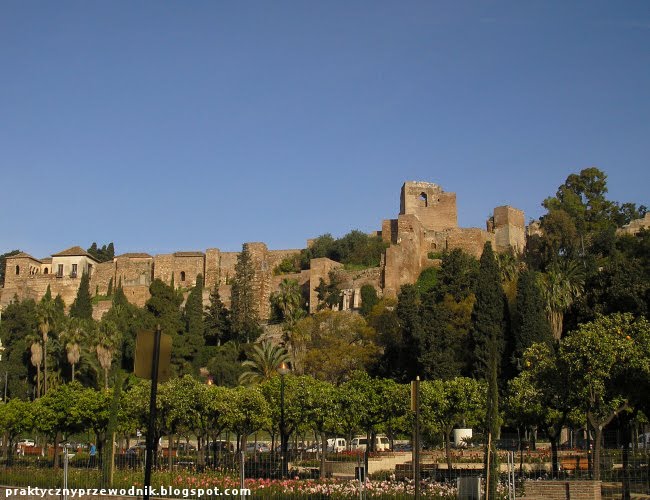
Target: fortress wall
[432, 206]
[133, 271]
[35, 287]
[227, 263]
[212, 271]
[319, 268]
[389, 231]
[509, 229]
[101, 275]
[469, 240]
[137, 294]
[163, 267]
[192, 266]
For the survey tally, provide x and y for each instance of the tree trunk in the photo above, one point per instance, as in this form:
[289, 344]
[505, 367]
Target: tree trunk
[170, 452]
[57, 438]
[105, 378]
[38, 381]
[45, 370]
[598, 434]
[627, 437]
[323, 438]
[448, 453]
[554, 464]
[73, 372]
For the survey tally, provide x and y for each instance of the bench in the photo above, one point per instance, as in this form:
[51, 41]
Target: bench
[574, 463]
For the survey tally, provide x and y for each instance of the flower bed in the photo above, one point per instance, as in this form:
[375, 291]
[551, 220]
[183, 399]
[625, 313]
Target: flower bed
[386, 487]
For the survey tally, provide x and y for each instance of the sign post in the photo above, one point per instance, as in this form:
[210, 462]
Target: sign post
[152, 360]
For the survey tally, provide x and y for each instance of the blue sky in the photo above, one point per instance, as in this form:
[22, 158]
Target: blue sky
[174, 125]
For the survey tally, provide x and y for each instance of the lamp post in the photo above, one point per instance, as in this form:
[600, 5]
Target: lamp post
[283, 369]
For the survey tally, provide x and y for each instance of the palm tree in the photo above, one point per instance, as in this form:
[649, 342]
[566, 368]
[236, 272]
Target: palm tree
[289, 300]
[36, 349]
[74, 333]
[45, 313]
[561, 285]
[108, 339]
[263, 363]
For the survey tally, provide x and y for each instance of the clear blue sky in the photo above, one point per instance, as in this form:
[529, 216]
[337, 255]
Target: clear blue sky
[181, 125]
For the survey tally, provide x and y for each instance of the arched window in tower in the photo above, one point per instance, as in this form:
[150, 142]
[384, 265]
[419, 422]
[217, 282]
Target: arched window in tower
[423, 200]
[45, 270]
[182, 275]
[17, 270]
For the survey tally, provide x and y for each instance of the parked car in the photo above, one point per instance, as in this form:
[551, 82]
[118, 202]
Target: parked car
[257, 448]
[403, 447]
[361, 442]
[336, 445]
[186, 448]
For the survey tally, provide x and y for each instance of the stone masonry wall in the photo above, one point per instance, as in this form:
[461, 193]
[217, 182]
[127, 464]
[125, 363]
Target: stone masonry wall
[435, 209]
[319, 268]
[101, 275]
[133, 271]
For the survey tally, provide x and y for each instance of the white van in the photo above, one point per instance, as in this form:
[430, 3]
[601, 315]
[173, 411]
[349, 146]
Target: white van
[336, 445]
[381, 443]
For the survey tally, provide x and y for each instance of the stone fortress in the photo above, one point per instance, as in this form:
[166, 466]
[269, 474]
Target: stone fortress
[427, 225]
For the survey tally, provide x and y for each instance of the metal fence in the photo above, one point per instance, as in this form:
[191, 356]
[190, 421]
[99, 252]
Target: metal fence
[219, 466]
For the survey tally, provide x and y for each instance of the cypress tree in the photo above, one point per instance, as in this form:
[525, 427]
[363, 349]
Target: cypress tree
[82, 306]
[244, 316]
[193, 315]
[530, 321]
[48, 294]
[488, 331]
[217, 320]
[410, 319]
[110, 287]
[164, 308]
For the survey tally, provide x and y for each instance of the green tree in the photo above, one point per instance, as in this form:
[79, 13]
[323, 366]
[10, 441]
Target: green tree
[73, 335]
[82, 306]
[561, 284]
[225, 366]
[337, 344]
[106, 345]
[18, 330]
[194, 323]
[329, 293]
[540, 395]
[244, 304]
[217, 320]
[530, 323]
[488, 335]
[383, 318]
[287, 304]
[376, 401]
[164, 309]
[369, 299]
[46, 315]
[250, 414]
[103, 254]
[446, 404]
[16, 418]
[411, 324]
[445, 331]
[457, 276]
[603, 357]
[263, 363]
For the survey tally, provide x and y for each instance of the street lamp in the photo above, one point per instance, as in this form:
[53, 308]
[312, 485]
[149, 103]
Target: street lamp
[283, 369]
